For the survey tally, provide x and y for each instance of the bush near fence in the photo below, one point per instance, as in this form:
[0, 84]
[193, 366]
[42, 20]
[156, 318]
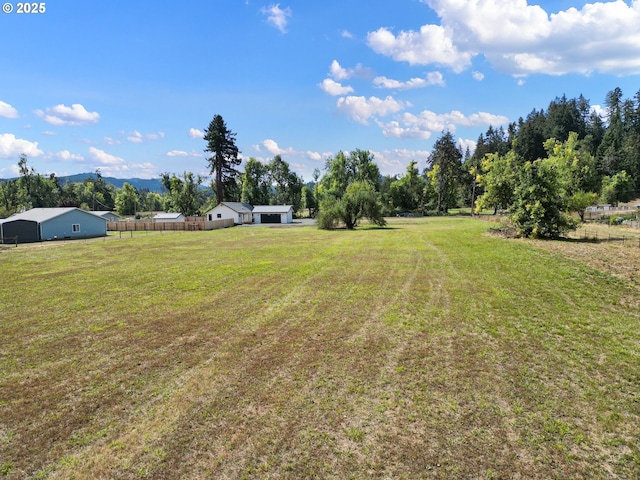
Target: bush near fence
[141, 226]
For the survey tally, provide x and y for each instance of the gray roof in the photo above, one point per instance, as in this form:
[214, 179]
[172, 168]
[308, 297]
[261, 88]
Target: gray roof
[238, 207]
[41, 214]
[168, 215]
[272, 208]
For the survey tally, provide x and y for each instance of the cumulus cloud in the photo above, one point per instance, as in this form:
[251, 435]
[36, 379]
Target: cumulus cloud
[433, 44]
[522, 39]
[195, 133]
[346, 34]
[423, 125]
[105, 158]
[465, 143]
[7, 111]
[361, 109]
[338, 72]
[11, 147]
[277, 17]
[273, 148]
[334, 88]
[67, 156]
[433, 78]
[74, 115]
[478, 76]
[395, 161]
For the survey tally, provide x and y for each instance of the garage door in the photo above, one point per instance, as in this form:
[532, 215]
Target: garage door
[25, 230]
[270, 218]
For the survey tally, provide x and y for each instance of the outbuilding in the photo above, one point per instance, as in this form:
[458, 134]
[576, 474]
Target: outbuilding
[108, 215]
[39, 224]
[168, 217]
[239, 212]
[273, 214]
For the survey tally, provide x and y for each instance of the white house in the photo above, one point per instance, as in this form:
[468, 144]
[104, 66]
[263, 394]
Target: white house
[168, 217]
[273, 214]
[239, 212]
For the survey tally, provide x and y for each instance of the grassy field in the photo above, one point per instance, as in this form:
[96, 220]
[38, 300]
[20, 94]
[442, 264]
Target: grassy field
[428, 349]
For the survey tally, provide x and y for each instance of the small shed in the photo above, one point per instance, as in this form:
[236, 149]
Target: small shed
[273, 214]
[39, 224]
[168, 217]
[239, 212]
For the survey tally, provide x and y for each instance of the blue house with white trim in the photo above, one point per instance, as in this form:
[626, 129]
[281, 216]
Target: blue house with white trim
[39, 224]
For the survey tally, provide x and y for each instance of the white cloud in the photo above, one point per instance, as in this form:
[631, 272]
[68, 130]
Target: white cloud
[272, 147]
[49, 133]
[600, 110]
[465, 143]
[423, 125]
[432, 44]
[182, 153]
[177, 153]
[392, 162]
[66, 155]
[433, 78]
[522, 39]
[277, 16]
[74, 115]
[104, 157]
[111, 141]
[7, 111]
[154, 136]
[314, 155]
[334, 88]
[135, 137]
[346, 34]
[10, 146]
[195, 133]
[338, 72]
[361, 109]
[479, 76]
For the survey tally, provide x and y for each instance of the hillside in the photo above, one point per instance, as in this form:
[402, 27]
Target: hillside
[152, 184]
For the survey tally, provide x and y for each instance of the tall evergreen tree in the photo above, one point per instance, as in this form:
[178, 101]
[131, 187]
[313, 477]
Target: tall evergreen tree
[221, 143]
[445, 172]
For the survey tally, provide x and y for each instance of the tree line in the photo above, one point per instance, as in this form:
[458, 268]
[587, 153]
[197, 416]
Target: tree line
[539, 170]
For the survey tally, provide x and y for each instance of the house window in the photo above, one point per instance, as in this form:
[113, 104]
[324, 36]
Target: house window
[75, 227]
[210, 217]
[219, 215]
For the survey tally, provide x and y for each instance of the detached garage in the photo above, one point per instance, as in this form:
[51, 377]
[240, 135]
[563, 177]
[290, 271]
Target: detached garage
[39, 224]
[273, 214]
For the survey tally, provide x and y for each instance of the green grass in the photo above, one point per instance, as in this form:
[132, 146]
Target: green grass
[424, 350]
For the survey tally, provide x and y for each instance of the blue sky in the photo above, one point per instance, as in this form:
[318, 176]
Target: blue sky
[128, 87]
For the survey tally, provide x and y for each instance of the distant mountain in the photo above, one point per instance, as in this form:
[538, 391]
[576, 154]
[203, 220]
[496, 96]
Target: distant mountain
[152, 184]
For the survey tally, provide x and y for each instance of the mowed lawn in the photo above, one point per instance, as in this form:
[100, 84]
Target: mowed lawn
[428, 349]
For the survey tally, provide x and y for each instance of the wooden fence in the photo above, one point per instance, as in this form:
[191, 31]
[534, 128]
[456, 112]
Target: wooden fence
[141, 226]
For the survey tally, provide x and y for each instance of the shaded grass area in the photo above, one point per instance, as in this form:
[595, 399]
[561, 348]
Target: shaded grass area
[427, 350]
